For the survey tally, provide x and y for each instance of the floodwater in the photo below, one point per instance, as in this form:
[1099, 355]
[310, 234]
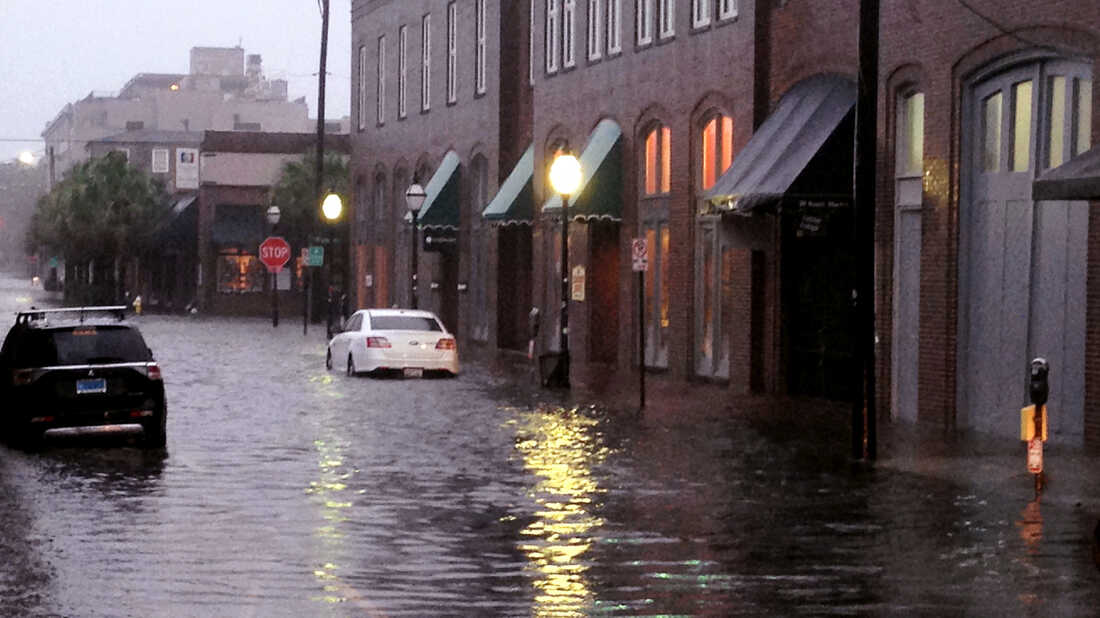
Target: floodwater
[289, 490]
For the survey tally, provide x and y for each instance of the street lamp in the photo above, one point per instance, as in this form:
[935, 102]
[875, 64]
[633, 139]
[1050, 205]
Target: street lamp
[332, 208]
[273, 220]
[565, 178]
[414, 199]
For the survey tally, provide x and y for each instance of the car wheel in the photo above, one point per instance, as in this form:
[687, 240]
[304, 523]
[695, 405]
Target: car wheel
[351, 366]
[328, 360]
[156, 431]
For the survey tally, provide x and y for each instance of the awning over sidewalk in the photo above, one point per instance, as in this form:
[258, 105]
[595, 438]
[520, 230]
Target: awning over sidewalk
[441, 209]
[238, 226]
[514, 202]
[600, 193]
[179, 223]
[780, 149]
[1076, 179]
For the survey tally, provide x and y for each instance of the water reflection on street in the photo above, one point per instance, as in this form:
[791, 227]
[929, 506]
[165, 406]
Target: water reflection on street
[287, 490]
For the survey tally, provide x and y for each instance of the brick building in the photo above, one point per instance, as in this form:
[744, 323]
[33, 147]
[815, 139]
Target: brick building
[721, 131]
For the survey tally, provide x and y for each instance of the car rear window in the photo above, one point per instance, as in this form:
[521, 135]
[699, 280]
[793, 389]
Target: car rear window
[404, 322]
[81, 345]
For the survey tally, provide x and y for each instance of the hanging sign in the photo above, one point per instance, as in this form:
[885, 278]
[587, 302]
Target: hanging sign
[578, 283]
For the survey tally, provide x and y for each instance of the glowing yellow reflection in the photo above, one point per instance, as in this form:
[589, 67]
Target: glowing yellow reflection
[328, 493]
[561, 447]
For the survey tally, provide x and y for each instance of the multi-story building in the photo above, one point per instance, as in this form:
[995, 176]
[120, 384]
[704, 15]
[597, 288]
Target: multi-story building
[721, 131]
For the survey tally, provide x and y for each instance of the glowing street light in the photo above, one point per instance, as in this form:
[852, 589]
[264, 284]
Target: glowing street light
[414, 199]
[565, 178]
[332, 207]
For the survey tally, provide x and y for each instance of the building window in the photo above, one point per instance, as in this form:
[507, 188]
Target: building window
[700, 13]
[727, 9]
[1021, 126]
[657, 294]
[667, 18]
[531, 45]
[657, 165]
[426, 62]
[910, 147]
[160, 160]
[553, 36]
[479, 68]
[991, 133]
[402, 71]
[643, 22]
[1068, 118]
[614, 29]
[381, 103]
[478, 294]
[379, 205]
[568, 55]
[361, 214]
[239, 272]
[717, 148]
[1082, 115]
[362, 87]
[452, 52]
[595, 30]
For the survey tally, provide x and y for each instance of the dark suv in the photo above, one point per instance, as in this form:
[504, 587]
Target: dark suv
[77, 369]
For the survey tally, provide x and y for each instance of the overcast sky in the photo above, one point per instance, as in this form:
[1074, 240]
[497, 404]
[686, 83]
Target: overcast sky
[54, 52]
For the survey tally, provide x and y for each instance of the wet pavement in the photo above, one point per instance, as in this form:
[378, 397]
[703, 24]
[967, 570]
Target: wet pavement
[288, 490]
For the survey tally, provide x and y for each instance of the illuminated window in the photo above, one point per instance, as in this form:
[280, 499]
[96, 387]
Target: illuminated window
[1021, 126]
[911, 135]
[239, 272]
[717, 148]
[657, 164]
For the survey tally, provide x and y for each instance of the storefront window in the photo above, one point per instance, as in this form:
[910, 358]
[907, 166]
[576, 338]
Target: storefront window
[240, 273]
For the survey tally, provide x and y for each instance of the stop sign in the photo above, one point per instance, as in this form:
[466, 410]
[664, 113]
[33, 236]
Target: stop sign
[274, 252]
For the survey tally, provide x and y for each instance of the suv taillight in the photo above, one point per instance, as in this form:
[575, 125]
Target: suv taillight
[445, 344]
[378, 342]
[153, 371]
[22, 377]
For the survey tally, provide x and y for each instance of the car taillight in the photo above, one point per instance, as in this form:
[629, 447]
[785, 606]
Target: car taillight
[378, 342]
[20, 377]
[153, 371]
[445, 344]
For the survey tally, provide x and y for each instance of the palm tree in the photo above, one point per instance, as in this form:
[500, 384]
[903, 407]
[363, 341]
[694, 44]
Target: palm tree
[299, 205]
[99, 217]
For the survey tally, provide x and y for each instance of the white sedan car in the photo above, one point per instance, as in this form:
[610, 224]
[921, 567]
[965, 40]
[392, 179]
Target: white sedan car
[404, 340]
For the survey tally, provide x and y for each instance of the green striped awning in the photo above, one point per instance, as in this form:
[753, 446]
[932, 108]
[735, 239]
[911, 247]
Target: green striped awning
[441, 209]
[514, 202]
[600, 193]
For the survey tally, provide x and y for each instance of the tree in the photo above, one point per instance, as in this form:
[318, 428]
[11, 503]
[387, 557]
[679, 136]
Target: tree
[299, 205]
[99, 217]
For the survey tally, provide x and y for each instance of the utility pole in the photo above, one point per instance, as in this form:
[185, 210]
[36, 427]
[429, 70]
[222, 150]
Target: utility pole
[864, 426]
[318, 186]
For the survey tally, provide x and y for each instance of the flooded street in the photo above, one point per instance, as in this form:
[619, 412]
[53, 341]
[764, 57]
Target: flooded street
[288, 490]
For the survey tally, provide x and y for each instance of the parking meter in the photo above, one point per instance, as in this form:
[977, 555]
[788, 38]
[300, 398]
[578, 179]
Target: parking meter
[533, 319]
[1039, 386]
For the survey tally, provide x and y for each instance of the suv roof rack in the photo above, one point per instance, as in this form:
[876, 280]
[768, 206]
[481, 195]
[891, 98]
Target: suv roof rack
[32, 315]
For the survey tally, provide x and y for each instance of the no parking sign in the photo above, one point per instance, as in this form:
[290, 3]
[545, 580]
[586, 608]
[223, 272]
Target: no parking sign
[639, 254]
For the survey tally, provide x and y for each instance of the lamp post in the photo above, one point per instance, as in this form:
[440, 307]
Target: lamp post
[332, 208]
[414, 199]
[273, 220]
[565, 177]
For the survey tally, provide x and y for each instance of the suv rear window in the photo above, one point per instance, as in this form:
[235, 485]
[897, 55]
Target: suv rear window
[81, 345]
[403, 322]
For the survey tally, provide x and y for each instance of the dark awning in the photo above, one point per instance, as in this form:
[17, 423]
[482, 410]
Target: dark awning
[600, 193]
[440, 209]
[1076, 179]
[238, 226]
[178, 223]
[781, 148]
[514, 202]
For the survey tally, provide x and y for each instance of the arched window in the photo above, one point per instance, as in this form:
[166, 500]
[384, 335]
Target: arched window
[653, 209]
[657, 160]
[713, 257]
[716, 148]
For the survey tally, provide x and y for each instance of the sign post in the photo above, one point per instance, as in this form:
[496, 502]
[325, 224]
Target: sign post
[639, 254]
[274, 253]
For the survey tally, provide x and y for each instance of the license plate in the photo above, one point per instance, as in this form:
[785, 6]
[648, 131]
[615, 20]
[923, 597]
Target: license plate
[414, 372]
[95, 385]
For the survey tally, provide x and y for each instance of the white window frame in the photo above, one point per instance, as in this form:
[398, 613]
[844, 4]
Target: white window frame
[479, 69]
[700, 13]
[643, 22]
[362, 87]
[553, 35]
[666, 18]
[727, 9]
[381, 101]
[160, 161]
[426, 62]
[402, 71]
[452, 52]
[595, 30]
[614, 27]
[531, 46]
[568, 34]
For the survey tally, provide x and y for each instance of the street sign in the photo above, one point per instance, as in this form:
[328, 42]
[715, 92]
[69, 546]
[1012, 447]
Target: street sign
[274, 253]
[316, 256]
[578, 283]
[639, 255]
